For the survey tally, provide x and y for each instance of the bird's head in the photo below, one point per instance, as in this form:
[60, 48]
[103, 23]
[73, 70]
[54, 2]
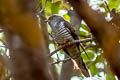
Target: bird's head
[54, 20]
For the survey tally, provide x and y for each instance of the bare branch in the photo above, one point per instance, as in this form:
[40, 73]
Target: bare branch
[65, 60]
[42, 8]
[107, 7]
[71, 43]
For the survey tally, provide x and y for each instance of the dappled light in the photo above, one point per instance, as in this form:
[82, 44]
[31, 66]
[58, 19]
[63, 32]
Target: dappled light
[59, 39]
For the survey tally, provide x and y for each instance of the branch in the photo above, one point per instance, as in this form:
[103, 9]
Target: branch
[102, 31]
[42, 8]
[68, 59]
[107, 7]
[71, 43]
[65, 60]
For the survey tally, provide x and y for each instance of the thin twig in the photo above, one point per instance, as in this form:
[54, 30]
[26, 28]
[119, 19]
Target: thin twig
[2, 42]
[107, 7]
[54, 46]
[39, 3]
[55, 49]
[71, 43]
[42, 8]
[65, 60]
[84, 50]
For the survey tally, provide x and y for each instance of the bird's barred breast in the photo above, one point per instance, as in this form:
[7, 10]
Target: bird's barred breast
[61, 34]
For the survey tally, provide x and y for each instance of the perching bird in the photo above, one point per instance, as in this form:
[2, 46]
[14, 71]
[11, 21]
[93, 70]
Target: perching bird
[62, 33]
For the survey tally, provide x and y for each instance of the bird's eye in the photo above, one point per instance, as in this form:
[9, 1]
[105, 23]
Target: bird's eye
[51, 18]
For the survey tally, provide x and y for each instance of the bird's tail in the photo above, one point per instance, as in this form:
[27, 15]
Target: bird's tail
[79, 64]
[75, 54]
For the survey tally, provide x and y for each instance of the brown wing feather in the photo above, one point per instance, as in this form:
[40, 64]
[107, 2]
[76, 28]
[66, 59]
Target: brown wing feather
[72, 31]
[75, 36]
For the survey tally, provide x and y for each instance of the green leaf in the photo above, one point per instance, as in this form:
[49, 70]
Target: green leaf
[93, 69]
[113, 3]
[110, 77]
[3, 51]
[98, 59]
[48, 7]
[85, 57]
[90, 56]
[67, 17]
[62, 52]
[55, 7]
[83, 33]
[85, 27]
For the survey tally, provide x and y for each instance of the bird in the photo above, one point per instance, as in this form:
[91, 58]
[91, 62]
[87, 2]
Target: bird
[62, 33]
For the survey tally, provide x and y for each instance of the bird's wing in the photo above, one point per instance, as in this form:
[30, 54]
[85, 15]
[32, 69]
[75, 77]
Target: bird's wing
[72, 31]
[75, 36]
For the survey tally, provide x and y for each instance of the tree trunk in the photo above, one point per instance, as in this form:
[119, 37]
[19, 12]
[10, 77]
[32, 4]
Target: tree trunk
[25, 40]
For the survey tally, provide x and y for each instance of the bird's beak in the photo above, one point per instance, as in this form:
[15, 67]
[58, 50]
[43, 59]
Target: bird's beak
[46, 21]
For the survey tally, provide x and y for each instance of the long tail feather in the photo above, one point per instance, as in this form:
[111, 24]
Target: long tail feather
[82, 66]
[75, 54]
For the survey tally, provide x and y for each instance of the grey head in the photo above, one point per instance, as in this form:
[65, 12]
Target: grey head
[54, 20]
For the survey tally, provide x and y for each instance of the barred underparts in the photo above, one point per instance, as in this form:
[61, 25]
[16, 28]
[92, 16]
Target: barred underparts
[62, 32]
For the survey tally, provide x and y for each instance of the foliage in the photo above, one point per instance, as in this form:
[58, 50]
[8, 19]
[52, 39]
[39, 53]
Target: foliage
[96, 61]
[98, 67]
